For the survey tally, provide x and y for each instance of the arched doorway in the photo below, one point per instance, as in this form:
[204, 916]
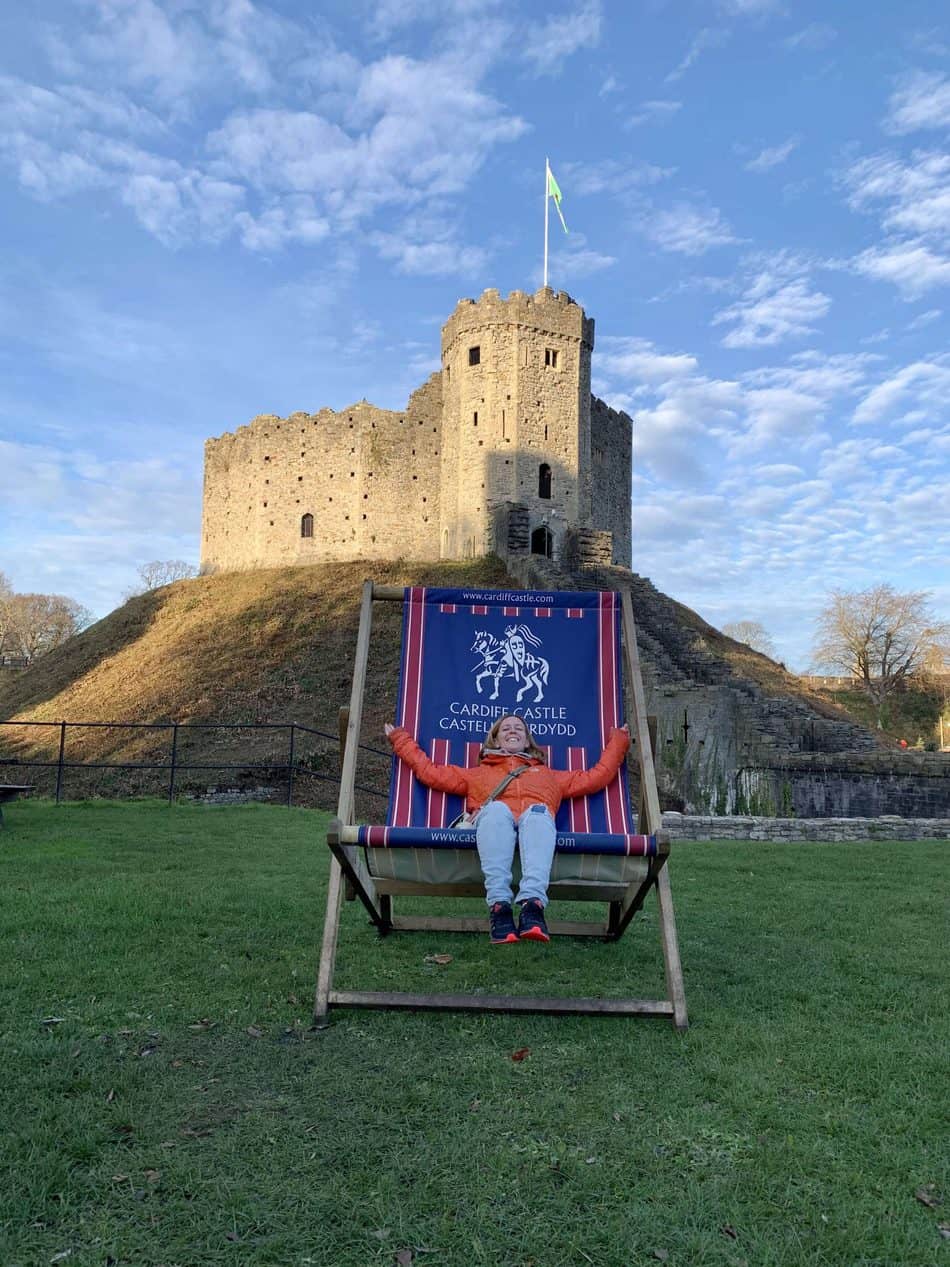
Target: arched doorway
[541, 541]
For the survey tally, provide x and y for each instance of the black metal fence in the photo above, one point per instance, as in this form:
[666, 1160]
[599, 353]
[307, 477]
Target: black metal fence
[292, 769]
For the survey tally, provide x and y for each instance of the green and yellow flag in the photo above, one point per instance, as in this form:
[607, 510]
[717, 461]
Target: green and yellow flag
[554, 191]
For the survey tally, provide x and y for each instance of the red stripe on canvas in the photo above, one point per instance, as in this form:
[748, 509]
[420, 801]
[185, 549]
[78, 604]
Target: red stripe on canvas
[575, 613]
[479, 611]
[447, 609]
[542, 611]
[472, 753]
[579, 807]
[409, 704]
[509, 611]
[436, 801]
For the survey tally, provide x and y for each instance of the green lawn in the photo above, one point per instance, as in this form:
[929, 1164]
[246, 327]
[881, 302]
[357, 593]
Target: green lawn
[165, 1104]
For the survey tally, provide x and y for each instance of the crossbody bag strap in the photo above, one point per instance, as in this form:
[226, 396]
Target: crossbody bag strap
[513, 774]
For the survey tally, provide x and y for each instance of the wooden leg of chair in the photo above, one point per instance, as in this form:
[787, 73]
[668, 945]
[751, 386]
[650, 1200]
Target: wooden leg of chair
[386, 911]
[614, 911]
[331, 927]
[675, 990]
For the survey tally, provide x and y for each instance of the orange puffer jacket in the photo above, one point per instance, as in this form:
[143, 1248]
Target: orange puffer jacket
[539, 786]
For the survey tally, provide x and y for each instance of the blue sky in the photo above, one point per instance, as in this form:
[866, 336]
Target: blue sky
[218, 209]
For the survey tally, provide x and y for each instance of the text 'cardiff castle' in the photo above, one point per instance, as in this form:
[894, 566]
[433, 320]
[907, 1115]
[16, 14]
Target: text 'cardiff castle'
[502, 451]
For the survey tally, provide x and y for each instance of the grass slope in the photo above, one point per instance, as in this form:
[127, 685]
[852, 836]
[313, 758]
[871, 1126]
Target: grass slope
[166, 1105]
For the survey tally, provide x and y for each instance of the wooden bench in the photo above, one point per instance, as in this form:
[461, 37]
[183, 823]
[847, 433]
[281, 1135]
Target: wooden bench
[9, 792]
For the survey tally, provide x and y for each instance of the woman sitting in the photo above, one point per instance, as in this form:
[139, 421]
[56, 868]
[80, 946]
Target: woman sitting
[514, 797]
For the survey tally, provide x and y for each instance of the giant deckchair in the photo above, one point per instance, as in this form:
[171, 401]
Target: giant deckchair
[467, 657]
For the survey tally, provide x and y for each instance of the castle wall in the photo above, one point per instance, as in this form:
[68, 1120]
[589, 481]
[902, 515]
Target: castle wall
[364, 474]
[611, 467]
[509, 422]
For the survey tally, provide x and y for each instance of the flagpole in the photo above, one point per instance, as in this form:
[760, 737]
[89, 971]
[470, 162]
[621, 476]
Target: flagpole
[547, 168]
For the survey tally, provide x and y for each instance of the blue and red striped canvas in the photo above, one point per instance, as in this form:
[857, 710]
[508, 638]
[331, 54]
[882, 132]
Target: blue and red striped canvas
[469, 656]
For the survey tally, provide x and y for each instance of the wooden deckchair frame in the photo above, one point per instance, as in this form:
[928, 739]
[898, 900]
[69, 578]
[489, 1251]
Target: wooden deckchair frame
[348, 870]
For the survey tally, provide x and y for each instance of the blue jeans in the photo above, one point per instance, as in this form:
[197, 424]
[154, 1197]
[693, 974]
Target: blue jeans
[496, 833]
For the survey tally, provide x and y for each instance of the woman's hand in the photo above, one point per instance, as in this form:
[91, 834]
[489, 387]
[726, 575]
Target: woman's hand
[388, 729]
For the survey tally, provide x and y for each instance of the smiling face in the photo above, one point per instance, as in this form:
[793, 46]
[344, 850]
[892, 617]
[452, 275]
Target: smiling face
[512, 735]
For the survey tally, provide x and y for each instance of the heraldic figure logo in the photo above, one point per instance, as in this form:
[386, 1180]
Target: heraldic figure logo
[499, 657]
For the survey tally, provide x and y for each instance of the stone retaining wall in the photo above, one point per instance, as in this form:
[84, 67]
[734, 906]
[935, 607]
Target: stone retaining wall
[704, 827]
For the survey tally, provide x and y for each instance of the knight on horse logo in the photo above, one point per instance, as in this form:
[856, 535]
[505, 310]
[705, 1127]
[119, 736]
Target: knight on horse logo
[510, 655]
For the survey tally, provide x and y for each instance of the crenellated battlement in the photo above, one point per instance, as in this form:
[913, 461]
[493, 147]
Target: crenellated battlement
[553, 312]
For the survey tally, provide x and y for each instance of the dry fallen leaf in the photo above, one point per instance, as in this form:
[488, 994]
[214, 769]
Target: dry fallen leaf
[439, 959]
[661, 1254]
[178, 1064]
[56, 1020]
[521, 1053]
[404, 1258]
[728, 1230]
[58, 1258]
[381, 1233]
[927, 1195]
[232, 1236]
[475, 1105]
[204, 1023]
[153, 1176]
[944, 1230]
[111, 1096]
[255, 1031]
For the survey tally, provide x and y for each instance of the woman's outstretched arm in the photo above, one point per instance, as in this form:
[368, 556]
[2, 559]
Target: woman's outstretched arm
[583, 782]
[444, 778]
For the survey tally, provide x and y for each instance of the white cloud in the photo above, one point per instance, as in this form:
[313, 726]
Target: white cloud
[548, 46]
[178, 53]
[774, 156]
[708, 37]
[571, 264]
[924, 319]
[911, 266]
[391, 15]
[429, 259]
[295, 219]
[772, 309]
[922, 101]
[813, 38]
[610, 176]
[921, 388]
[918, 190]
[657, 111]
[688, 229]
[751, 8]
[639, 360]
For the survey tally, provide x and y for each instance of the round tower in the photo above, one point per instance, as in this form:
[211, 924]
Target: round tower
[516, 419]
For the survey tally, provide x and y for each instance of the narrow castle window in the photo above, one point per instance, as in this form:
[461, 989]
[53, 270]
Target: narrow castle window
[475, 418]
[306, 526]
[550, 358]
[474, 356]
[544, 480]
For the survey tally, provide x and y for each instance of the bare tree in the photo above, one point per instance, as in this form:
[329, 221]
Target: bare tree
[6, 593]
[40, 622]
[162, 572]
[880, 637]
[753, 635]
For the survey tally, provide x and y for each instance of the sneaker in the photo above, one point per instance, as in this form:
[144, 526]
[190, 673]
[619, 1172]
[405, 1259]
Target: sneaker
[531, 925]
[501, 924]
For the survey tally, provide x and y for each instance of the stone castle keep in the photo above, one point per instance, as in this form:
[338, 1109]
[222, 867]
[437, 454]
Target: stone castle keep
[504, 450]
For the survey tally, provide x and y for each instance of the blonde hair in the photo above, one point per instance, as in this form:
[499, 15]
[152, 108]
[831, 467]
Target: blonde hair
[531, 748]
